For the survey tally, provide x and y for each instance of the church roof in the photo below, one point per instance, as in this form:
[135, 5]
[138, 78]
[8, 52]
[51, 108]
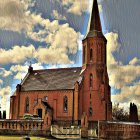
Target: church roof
[47, 105]
[51, 79]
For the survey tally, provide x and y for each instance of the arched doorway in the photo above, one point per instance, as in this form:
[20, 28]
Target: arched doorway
[40, 113]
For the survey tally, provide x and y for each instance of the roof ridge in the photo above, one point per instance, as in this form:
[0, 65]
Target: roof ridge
[55, 69]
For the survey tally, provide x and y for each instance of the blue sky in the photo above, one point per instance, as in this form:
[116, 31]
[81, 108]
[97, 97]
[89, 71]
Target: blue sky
[40, 32]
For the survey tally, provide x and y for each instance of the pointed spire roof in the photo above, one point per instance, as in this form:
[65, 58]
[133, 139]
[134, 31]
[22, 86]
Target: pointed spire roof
[94, 27]
[95, 23]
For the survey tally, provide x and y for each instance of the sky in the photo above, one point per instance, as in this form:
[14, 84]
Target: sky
[49, 33]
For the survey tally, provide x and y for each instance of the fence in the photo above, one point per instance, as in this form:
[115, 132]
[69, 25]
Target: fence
[101, 129]
[119, 130]
[23, 127]
[21, 124]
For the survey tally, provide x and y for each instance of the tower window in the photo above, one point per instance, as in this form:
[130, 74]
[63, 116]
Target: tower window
[91, 55]
[27, 105]
[65, 103]
[90, 96]
[91, 80]
[90, 111]
[46, 98]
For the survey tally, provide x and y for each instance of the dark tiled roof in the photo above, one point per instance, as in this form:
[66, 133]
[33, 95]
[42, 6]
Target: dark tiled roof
[51, 79]
[47, 105]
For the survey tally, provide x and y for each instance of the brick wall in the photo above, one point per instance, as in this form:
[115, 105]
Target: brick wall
[119, 130]
[53, 96]
[97, 96]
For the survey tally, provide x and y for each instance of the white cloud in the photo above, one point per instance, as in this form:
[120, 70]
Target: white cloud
[5, 95]
[122, 76]
[49, 55]
[1, 82]
[134, 61]
[7, 108]
[13, 15]
[119, 74]
[52, 56]
[5, 91]
[76, 6]
[112, 46]
[5, 73]
[21, 70]
[16, 55]
[100, 8]
[65, 38]
[61, 38]
[5, 105]
[57, 15]
[128, 94]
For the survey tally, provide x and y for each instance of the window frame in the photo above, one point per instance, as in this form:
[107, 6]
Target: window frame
[91, 80]
[65, 105]
[91, 55]
[46, 98]
[27, 105]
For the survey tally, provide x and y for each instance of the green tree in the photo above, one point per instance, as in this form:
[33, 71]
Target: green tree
[119, 113]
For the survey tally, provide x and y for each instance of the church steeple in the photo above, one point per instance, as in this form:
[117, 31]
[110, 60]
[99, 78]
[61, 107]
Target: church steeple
[95, 23]
[96, 93]
[94, 27]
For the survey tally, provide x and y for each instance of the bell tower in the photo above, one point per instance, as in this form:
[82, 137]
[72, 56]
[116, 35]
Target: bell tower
[96, 102]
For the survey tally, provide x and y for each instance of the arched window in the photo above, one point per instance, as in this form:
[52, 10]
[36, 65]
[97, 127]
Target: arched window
[65, 103]
[90, 111]
[91, 55]
[91, 80]
[27, 105]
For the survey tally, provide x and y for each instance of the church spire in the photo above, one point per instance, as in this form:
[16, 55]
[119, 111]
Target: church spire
[95, 23]
[94, 26]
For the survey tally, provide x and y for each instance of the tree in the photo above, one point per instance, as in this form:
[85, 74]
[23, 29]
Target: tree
[4, 114]
[133, 113]
[119, 113]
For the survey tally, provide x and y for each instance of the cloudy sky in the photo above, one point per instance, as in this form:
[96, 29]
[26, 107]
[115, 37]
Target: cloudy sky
[48, 33]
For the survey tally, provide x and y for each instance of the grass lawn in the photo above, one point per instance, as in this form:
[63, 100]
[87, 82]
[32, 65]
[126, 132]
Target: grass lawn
[20, 138]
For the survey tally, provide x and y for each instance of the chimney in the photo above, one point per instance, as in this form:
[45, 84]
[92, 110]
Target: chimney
[18, 88]
[30, 69]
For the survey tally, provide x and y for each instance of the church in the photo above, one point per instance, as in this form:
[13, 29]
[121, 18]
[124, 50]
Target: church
[69, 94]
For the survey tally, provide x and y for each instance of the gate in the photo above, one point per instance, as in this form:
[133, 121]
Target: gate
[61, 132]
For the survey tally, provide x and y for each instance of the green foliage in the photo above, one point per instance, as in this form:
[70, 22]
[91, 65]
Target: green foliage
[31, 117]
[28, 117]
[119, 113]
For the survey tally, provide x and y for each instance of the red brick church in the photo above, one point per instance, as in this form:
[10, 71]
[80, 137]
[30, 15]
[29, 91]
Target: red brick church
[69, 93]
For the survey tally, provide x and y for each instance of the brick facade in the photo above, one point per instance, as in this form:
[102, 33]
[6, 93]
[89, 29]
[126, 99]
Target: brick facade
[87, 95]
[54, 97]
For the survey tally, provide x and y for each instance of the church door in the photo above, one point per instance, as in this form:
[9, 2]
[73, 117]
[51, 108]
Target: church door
[40, 113]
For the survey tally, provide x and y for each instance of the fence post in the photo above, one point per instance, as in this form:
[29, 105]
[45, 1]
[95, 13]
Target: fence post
[98, 130]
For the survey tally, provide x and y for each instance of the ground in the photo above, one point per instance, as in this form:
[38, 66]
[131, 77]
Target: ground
[20, 138]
